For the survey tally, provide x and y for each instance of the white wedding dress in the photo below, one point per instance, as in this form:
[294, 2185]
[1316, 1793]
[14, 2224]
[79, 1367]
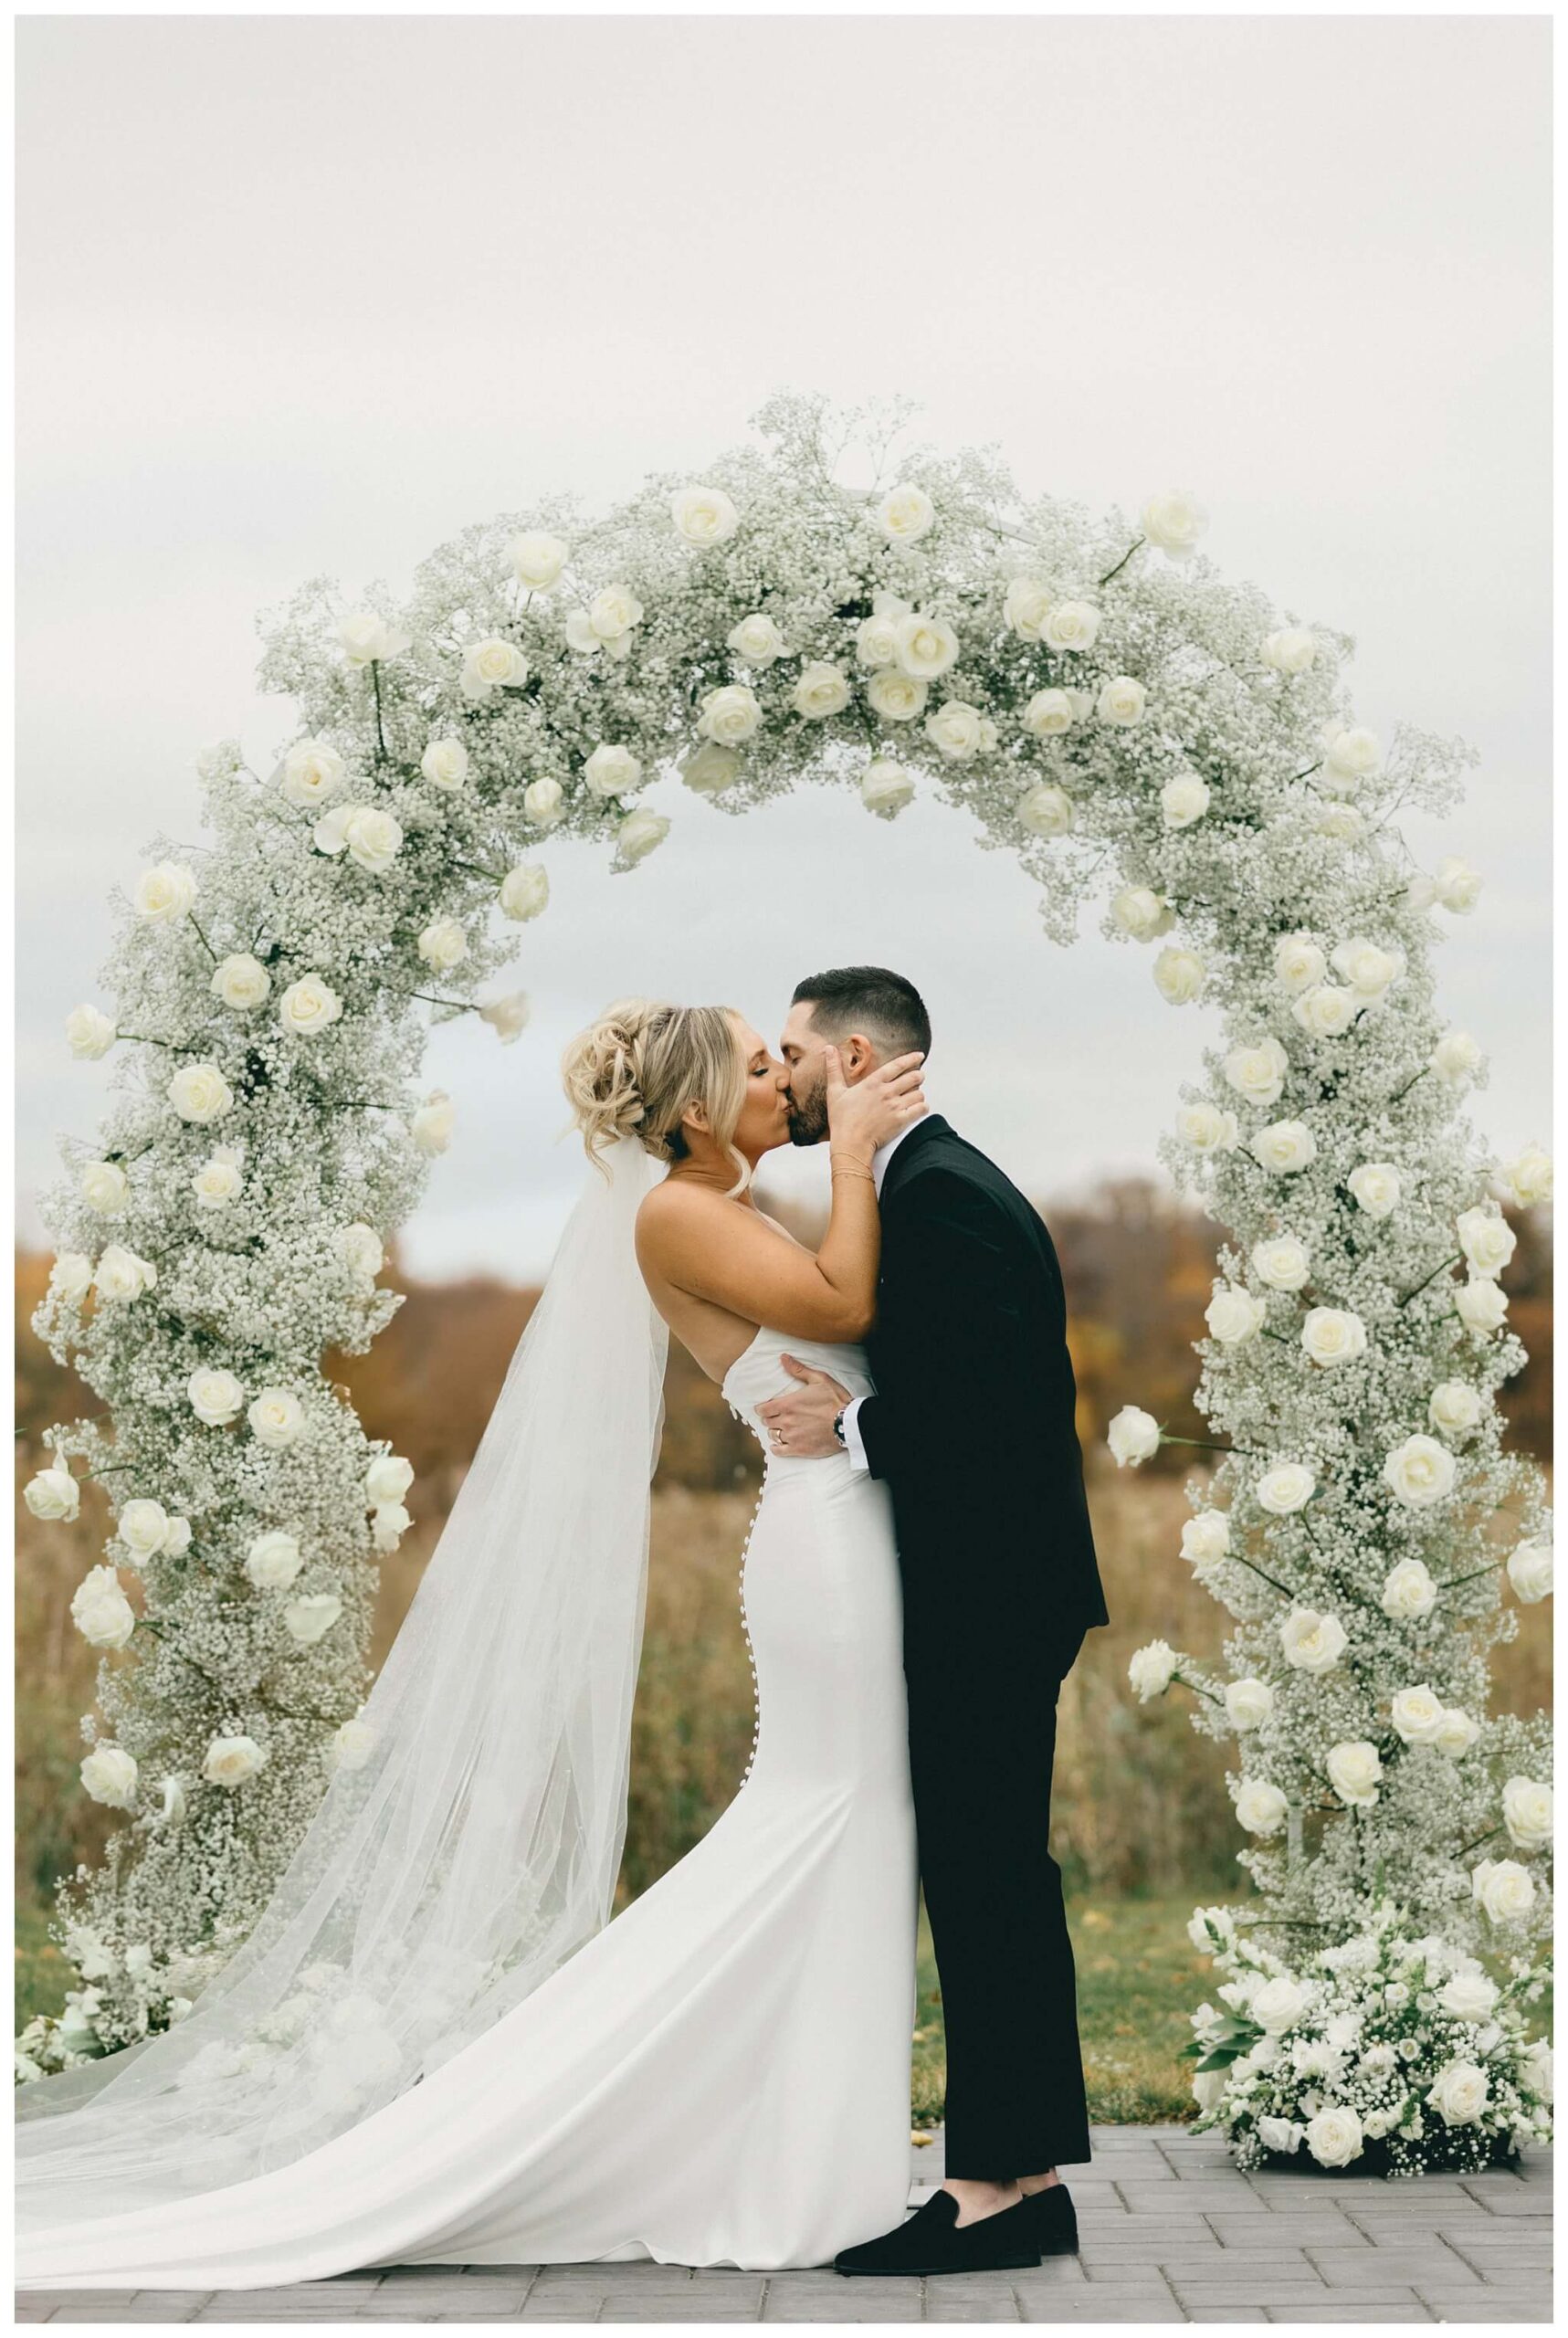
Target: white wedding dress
[718, 2077]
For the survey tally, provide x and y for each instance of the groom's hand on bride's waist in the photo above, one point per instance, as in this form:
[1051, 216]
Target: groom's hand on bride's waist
[800, 1422]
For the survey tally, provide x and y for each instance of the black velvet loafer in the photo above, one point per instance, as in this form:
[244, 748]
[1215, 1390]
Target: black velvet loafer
[932, 2241]
[1056, 2220]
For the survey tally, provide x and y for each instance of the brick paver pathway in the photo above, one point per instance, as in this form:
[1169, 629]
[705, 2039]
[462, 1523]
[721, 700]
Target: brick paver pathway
[1169, 2232]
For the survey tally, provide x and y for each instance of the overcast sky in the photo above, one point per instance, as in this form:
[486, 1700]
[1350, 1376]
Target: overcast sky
[303, 296]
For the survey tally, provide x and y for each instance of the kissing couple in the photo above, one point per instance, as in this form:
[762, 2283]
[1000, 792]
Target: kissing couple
[437, 2046]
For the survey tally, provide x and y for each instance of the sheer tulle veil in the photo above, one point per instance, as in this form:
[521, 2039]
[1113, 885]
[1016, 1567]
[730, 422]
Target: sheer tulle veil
[475, 1845]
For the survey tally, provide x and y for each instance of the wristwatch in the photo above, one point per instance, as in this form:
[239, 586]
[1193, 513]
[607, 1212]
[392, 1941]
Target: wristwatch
[838, 1428]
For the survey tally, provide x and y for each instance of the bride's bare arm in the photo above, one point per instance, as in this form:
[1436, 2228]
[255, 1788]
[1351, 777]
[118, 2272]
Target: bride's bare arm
[691, 1236]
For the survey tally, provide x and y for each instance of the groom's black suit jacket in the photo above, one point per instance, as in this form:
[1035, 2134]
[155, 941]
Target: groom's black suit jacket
[973, 1422]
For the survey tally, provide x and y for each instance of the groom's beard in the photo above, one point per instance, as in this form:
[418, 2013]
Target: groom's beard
[808, 1118]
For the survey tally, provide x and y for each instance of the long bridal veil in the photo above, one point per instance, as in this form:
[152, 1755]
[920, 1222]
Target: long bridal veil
[476, 1845]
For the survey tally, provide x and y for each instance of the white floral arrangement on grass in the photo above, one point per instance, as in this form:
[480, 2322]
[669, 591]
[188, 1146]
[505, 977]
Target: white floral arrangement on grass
[1094, 697]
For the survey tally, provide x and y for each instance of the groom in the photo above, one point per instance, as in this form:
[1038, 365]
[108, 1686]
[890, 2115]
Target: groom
[972, 1425]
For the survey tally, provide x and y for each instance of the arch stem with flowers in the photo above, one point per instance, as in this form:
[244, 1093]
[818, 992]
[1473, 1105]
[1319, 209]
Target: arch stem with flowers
[1081, 690]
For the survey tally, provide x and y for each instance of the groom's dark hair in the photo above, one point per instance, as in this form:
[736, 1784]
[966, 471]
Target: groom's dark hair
[884, 1005]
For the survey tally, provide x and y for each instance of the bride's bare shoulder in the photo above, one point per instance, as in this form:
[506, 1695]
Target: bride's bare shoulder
[671, 1213]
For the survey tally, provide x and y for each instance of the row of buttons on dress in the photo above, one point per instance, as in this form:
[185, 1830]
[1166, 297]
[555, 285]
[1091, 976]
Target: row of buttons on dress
[745, 1626]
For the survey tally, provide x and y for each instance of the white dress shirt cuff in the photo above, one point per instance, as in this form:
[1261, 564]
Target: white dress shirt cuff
[852, 1440]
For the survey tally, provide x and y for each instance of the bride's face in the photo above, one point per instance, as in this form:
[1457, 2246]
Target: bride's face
[764, 1116]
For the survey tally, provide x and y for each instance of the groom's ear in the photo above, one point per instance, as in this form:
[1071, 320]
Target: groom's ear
[858, 1056]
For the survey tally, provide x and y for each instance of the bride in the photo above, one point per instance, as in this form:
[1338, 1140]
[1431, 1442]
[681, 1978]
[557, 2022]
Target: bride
[434, 2048]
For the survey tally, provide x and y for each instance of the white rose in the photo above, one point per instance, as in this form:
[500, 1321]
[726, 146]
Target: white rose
[241, 982]
[1408, 1592]
[106, 1188]
[1333, 1335]
[444, 763]
[1140, 912]
[216, 1397]
[1132, 1435]
[524, 891]
[703, 516]
[1278, 2004]
[640, 835]
[100, 1611]
[1370, 970]
[72, 1274]
[1151, 1670]
[885, 787]
[1535, 2068]
[121, 1276]
[1376, 1186]
[1469, 1997]
[1234, 1315]
[1455, 1056]
[431, 1126]
[710, 769]
[108, 1774]
[1326, 1011]
[537, 560]
[1349, 757]
[443, 944]
[1454, 1408]
[372, 838]
[1458, 885]
[1280, 2134]
[1458, 2094]
[954, 730]
[1457, 1732]
[1046, 811]
[756, 640]
[388, 1524]
[360, 1248]
[1481, 1305]
[1070, 625]
[1313, 1641]
[1248, 1703]
[1420, 1471]
[1284, 1146]
[309, 1006]
[1290, 650]
[492, 665]
[200, 1093]
[1049, 714]
[508, 1015]
[1487, 1240]
[53, 1494]
[353, 1744]
[1184, 799]
[313, 772]
[165, 892]
[273, 1561]
[309, 1620]
[1025, 607]
[229, 1761]
[1417, 1715]
[388, 1478]
[331, 832]
[544, 800]
[927, 647]
[277, 1417]
[1207, 1129]
[905, 513]
[612, 615]
[1205, 1538]
[896, 696]
[1299, 964]
[1260, 1807]
[1526, 1180]
[1282, 1262]
[1527, 1814]
[1257, 1072]
[877, 637]
[1179, 975]
[368, 639]
[1122, 701]
[89, 1033]
[1334, 2137]
[1503, 1890]
[1209, 2087]
[142, 1526]
[821, 690]
[1354, 1768]
[729, 715]
[1530, 1569]
[1175, 520]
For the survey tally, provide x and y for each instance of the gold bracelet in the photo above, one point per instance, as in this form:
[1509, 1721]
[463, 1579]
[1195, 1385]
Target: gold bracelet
[844, 1166]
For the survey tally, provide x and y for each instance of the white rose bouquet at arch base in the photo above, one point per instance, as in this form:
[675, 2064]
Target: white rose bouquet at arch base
[1094, 697]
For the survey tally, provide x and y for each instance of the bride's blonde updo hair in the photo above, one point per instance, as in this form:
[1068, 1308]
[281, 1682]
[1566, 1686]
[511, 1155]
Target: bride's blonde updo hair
[638, 1070]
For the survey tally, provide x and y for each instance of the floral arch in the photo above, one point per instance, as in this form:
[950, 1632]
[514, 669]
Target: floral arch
[1098, 697]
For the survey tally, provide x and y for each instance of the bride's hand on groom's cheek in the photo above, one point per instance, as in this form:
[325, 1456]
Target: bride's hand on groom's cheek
[800, 1422]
